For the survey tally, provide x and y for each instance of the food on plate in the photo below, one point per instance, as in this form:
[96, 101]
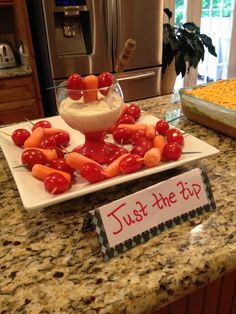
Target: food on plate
[122, 136]
[90, 88]
[133, 110]
[19, 136]
[150, 132]
[92, 172]
[97, 109]
[139, 150]
[145, 148]
[159, 141]
[48, 153]
[35, 138]
[152, 157]
[105, 80]
[59, 163]
[96, 116]
[75, 86]
[134, 127]
[135, 145]
[42, 124]
[41, 171]
[77, 160]
[126, 119]
[130, 164]
[174, 135]
[56, 183]
[32, 156]
[162, 126]
[172, 151]
[113, 169]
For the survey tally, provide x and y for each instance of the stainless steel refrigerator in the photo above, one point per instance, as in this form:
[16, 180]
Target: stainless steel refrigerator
[87, 37]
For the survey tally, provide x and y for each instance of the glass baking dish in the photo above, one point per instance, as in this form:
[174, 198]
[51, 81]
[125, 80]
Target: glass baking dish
[211, 115]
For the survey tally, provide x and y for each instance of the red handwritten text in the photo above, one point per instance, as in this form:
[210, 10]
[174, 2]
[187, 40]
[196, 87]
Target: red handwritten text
[130, 219]
[164, 201]
[187, 191]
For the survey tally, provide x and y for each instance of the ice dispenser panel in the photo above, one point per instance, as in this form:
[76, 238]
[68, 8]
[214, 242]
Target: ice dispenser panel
[72, 27]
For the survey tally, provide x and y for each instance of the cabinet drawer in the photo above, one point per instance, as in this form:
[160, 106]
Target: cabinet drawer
[18, 111]
[16, 88]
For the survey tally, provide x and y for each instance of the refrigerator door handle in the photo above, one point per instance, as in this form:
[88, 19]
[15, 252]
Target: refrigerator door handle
[108, 15]
[116, 27]
[136, 76]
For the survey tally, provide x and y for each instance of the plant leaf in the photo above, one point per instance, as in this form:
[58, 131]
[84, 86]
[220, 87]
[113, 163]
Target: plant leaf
[168, 13]
[191, 27]
[180, 64]
[174, 43]
[207, 42]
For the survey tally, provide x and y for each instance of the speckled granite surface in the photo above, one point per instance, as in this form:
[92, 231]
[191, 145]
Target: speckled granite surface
[47, 265]
[22, 70]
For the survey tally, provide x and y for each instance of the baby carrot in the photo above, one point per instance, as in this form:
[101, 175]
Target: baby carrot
[133, 127]
[41, 171]
[35, 138]
[91, 86]
[159, 141]
[53, 131]
[48, 153]
[152, 157]
[124, 108]
[150, 132]
[76, 160]
[113, 169]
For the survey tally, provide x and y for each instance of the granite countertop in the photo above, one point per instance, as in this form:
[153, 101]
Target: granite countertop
[47, 265]
[22, 70]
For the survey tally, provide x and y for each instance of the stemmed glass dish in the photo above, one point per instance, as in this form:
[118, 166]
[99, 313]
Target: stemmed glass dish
[91, 112]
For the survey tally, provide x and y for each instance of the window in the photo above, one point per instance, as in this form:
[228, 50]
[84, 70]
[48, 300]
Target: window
[210, 15]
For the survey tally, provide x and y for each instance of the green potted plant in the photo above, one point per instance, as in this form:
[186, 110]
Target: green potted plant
[183, 49]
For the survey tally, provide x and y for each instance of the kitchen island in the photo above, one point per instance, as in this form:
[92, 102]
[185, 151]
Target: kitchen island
[48, 265]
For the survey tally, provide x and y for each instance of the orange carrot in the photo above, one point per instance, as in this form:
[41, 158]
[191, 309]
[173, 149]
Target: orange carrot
[133, 127]
[152, 157]
[53, 131]
[35, 138]
[113, 169]
[159, 141]
[48, 153]
[112, 128]
[41, 171]
[91, 86]
[124, 108]
[76, 160]
[150, 132]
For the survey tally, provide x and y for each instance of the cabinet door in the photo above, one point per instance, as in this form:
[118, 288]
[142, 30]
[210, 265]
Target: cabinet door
[7, 2]
[16, 89]
[18, 111]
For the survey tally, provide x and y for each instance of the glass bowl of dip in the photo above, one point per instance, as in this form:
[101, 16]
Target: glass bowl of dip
[91, 112]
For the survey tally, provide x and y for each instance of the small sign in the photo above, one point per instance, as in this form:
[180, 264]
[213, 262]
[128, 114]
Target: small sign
[134, 219]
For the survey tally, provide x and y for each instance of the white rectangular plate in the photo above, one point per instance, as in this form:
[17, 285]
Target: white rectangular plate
[32, 192]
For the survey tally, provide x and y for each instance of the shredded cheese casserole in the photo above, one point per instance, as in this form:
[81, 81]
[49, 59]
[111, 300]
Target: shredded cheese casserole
[222, 93]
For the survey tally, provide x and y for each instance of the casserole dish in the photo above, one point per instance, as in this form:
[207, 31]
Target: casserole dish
[219, 116]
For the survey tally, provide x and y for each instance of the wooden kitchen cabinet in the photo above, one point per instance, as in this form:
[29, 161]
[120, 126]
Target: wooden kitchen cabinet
[17, 100]
[20, 96]
[218, 297]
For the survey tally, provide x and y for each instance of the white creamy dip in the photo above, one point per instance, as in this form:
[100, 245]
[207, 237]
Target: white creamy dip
[93, 116]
